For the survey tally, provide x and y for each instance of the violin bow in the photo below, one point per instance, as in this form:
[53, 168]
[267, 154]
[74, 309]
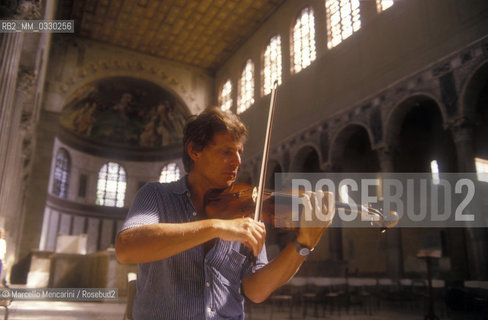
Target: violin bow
[264, 162]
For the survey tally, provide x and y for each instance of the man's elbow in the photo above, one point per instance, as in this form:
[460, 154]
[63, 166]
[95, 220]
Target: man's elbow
[257, 298]
[121, 252]
[256, 295]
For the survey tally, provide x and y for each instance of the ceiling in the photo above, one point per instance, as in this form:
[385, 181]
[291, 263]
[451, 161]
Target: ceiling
[203, 33]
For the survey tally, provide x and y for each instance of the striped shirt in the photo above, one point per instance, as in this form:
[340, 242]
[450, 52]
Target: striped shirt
[191, 284]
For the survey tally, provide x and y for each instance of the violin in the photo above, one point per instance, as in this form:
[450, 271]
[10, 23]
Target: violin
[239, 200]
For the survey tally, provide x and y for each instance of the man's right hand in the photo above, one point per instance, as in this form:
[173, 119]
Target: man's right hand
[248, 231]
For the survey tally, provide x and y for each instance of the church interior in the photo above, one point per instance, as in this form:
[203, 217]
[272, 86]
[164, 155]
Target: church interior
[363, 86]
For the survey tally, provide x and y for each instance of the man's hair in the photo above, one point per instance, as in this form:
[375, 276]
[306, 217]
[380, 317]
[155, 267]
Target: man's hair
[200, 130]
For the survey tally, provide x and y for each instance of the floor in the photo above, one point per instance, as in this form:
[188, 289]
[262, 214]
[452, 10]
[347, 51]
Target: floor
[44, 310]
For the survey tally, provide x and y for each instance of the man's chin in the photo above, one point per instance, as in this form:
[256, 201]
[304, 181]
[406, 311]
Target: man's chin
[230, 181]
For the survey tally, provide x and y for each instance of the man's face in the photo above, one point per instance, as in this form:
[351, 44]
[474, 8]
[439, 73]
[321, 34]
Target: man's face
[219, 161]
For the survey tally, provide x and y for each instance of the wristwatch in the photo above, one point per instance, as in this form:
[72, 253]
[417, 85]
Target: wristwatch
[301, 249]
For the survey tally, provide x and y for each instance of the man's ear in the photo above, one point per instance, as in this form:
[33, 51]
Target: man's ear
[192, 151]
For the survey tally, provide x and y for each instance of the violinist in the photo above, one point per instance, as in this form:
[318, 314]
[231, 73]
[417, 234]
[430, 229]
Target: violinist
[190, 265]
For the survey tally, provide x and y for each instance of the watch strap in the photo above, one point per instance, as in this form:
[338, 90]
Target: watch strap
[302, 249]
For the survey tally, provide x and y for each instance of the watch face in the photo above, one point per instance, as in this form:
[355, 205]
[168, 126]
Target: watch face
[304, 251]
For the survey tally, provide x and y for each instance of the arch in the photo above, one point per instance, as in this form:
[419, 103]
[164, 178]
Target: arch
[123, 114]
[419, 137]
[306, 159]
[471, 90]
[344, 133]
[395, 117]
[71, 92]
[100, 70]
[351, 149]
[473, 108]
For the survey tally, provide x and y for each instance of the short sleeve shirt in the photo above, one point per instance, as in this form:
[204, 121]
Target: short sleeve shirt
[192, 284]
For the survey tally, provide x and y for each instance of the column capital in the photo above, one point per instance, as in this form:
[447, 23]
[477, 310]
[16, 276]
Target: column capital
[386, 156]
[462, 129]
[330, 167]
[29, 10]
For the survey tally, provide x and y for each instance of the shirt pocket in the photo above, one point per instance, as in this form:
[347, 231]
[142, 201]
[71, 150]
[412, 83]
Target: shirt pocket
[232, 267]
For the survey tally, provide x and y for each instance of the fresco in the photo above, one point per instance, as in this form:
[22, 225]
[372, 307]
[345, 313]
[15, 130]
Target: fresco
[125, 112]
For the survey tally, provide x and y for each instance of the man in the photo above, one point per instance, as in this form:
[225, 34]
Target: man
[191, 266]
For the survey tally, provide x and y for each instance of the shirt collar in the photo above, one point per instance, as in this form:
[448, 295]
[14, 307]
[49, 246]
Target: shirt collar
[181, 186]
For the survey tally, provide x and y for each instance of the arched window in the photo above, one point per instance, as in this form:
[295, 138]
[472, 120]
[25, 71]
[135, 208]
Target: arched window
[303, 42]
[382, 5]
[225, 96]
[481, 169]
[61, 174]
[112, 182]
[434, 168]
[272, 64]
[343, 18]
[169, 173]
[245, 97]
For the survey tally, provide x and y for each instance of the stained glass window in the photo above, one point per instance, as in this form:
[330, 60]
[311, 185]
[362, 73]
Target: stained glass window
[272, 64]
[61, 174]
[245, 97]
[169, 173]
[225, 96]
[343, 18]
[382, 5]
[303, 40]
[112, 182]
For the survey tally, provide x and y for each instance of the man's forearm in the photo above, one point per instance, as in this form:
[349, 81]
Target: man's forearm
[163, 240]
[258, 286]
[160, 241]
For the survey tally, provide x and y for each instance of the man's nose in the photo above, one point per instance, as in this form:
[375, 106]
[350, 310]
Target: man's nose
[236, 159]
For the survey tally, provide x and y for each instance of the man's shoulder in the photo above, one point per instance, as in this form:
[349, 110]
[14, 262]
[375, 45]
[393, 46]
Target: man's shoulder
[175, 187]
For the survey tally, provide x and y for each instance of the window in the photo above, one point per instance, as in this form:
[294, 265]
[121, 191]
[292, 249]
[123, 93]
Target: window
[303, 50]
[225, 96]
[111, 185]
[382, 5]
[61, 174]
[169, 173]
[434, 166]
[272, 64]
[245, 97]
[343, 19]
[481, 169]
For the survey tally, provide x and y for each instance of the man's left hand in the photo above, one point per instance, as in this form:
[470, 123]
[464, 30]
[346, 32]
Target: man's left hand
[324, 204]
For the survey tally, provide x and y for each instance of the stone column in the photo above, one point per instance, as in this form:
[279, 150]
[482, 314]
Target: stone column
[10, 49]
[24, 104]
[475, 248]
[334, 234]
[394, 252]
[463, 135]
[10, 161]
